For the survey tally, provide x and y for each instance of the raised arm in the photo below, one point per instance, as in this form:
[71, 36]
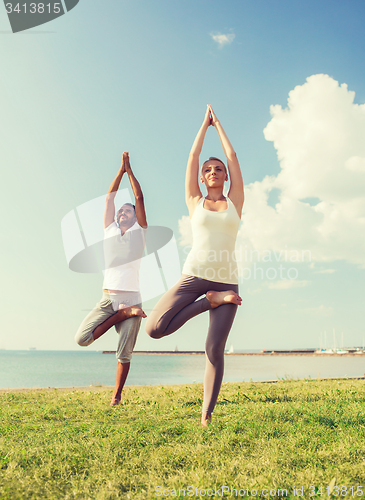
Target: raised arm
[192, 190]
[109, 212]
[138, 195]
[236, 192]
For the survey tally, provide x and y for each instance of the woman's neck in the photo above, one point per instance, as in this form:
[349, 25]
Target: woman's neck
[215, 195]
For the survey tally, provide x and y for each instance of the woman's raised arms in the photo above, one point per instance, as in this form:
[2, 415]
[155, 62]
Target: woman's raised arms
[192, 190]
[236, 192]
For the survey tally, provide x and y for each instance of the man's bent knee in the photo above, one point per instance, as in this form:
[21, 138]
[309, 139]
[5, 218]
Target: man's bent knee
[125, 359]
[84, 340]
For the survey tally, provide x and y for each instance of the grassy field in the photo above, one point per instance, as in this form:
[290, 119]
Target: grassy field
[70, 444]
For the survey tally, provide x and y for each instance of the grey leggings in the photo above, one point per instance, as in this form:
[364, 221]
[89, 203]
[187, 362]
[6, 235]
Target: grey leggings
[177, 306]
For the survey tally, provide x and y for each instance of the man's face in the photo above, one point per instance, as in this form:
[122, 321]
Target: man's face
[126, 216]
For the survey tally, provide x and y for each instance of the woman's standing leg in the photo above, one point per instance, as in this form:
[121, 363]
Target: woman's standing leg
[179, 304]
[221, 319]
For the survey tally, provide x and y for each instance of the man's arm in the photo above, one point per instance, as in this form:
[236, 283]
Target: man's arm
[138, 195]
[109, 213]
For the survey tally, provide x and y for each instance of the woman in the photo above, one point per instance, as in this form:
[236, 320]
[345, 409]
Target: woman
[210, 268]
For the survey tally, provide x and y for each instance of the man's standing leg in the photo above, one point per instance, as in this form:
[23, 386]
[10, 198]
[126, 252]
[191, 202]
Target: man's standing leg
[128, 331]
[122, 373]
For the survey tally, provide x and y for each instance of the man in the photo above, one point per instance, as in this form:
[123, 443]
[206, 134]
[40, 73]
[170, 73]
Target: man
[124, 241]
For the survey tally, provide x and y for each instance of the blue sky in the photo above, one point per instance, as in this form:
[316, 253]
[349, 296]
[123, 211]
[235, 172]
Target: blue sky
[137, 76]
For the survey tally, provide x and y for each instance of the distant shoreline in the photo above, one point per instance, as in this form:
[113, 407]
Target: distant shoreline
[265, 354]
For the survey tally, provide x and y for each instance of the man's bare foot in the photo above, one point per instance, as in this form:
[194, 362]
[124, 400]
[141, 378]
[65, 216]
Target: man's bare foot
[206, 420]
[126, 312]
[227, 297]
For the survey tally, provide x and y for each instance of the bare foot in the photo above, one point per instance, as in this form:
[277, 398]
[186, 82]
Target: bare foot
[206, 420]
[126, 312]
[115, 401]
[227, 297]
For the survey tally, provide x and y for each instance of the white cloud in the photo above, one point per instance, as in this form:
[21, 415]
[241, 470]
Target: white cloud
[320, 143]
[287, 284]
[356, 164]
[223, 39]
[186, 236]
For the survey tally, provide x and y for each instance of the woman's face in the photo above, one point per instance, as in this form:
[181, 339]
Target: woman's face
[213, 174]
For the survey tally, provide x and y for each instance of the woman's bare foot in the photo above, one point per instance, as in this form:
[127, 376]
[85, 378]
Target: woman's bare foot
[227, 297]
[115, 401]
[206, 420]
[126, 312]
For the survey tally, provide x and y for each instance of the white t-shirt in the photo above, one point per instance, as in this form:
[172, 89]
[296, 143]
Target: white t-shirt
[122, 256]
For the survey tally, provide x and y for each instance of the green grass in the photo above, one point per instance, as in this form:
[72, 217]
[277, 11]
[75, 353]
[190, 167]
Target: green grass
[71, 445]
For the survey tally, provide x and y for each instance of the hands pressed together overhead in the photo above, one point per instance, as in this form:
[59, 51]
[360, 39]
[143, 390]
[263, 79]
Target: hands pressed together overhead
[210, 117]
[126, 166]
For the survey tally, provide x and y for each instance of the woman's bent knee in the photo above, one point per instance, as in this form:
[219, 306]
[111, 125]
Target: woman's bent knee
[154, 333]
[153, 330]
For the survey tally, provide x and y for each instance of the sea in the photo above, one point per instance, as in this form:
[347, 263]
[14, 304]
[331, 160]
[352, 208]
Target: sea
[38, 369]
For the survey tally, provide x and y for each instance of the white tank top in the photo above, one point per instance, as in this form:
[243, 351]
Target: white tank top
[212, 256]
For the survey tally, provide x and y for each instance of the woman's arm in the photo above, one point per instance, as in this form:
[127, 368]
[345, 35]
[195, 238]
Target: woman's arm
[235, 193]
[138, 196]
[192, 190]
[109, 213]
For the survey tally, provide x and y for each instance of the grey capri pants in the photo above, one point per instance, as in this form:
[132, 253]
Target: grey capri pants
[127, 329]
[180, 304]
